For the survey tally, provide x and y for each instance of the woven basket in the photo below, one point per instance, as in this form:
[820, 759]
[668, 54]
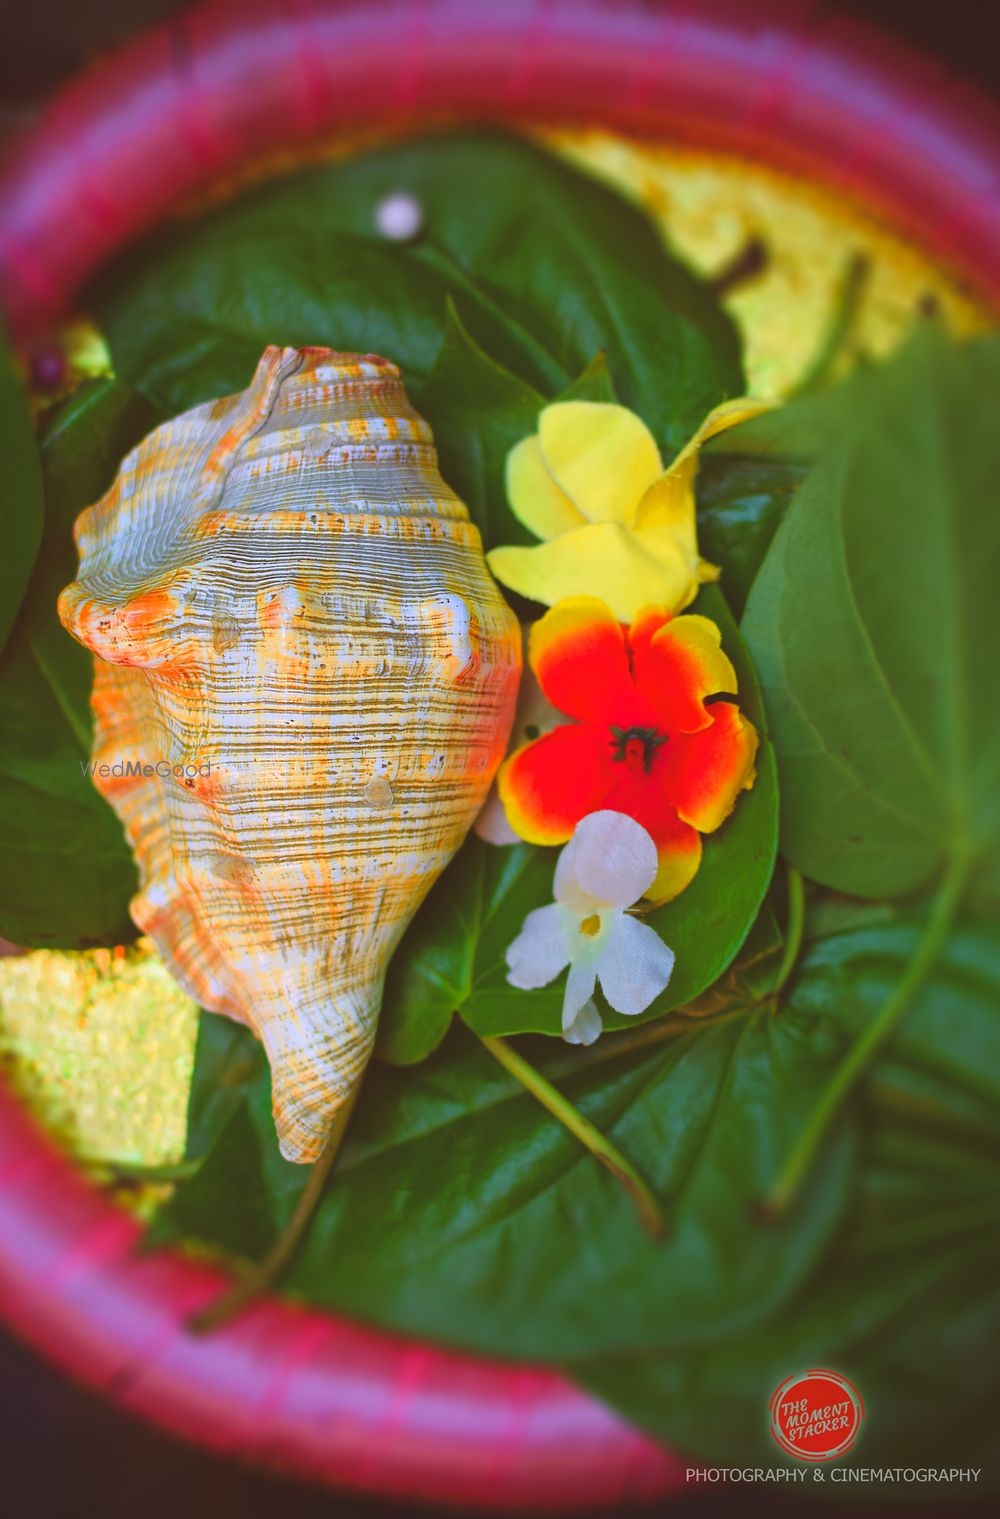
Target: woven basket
[785, 83]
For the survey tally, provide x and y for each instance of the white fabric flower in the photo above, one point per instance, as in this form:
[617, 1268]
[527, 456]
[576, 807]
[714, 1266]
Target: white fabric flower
[607, 866]
[586, 1026]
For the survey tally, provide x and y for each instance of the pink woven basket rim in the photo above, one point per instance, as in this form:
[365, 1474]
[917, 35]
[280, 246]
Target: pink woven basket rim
[786, 81]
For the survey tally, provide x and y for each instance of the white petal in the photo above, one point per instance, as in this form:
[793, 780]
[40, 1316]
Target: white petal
[491, 823]
[580, 985]
[586, 1026]
[634, 966]
[613, 858]
[540, 950]
[566, 888]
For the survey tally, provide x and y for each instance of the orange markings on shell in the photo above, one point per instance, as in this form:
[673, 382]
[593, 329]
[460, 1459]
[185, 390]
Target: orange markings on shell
[304, 645]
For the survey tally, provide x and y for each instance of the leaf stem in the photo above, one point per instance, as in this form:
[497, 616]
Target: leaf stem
[846, 304]
[793, 928]
[803, 1152]
[262, 1275]
[638, 1189]
[135, 1171]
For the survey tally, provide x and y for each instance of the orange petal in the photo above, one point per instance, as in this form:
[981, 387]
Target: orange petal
[681, 665]
[703, 773]
[646, 622]
[549, 785]
[577, 651]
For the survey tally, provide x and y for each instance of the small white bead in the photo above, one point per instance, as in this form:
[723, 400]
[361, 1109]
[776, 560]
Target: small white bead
[399, 216]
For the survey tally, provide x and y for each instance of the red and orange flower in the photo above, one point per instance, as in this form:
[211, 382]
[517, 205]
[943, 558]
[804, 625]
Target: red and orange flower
[655, 732]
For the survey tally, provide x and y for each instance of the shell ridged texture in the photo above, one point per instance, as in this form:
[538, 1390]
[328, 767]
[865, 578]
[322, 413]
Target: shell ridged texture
[296, 633]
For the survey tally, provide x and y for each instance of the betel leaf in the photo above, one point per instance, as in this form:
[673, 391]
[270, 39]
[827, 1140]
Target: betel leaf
[66, 872]
[460, 1210]
[800, 430]
[707, 924]
[905, 1303]
[872, 623]
[226, 1066]
[452, 957]
[912, 1329]
[189, 321]
[741, 502]
[453, 950]
[545, 265]
[478, 410]
[593, 384]
[749, 474]
[22, 486]
[581, 267]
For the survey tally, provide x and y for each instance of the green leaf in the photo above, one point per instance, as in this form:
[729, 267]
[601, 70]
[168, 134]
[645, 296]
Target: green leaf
[226, 1066]
[708, 923]
[66, 872]
[452, 957]
[22, 528]
[545, 266]
[748, 475]
[872, 623]
[905, 1301]
[478, 411]
[798, 432]
[189, 322]
[453, 951]
[461, 1211]
[593, 384]
[741, 502]
[908, 1329]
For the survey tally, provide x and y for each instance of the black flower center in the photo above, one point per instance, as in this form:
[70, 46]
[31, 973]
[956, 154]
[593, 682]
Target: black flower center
[636, 747]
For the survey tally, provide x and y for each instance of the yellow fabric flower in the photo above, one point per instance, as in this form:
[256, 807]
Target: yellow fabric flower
[616, 524]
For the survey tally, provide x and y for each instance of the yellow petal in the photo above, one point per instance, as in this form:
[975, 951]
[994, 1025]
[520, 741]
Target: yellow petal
[627, 570]
[603, 456]
[534, 497]
[677, 869]
[669, 500]
[729, 414]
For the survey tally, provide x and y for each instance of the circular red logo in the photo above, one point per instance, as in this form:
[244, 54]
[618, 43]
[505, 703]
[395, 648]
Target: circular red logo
[816, 1415]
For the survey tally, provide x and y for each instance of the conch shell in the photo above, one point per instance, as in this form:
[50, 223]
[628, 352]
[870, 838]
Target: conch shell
[305, 680]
